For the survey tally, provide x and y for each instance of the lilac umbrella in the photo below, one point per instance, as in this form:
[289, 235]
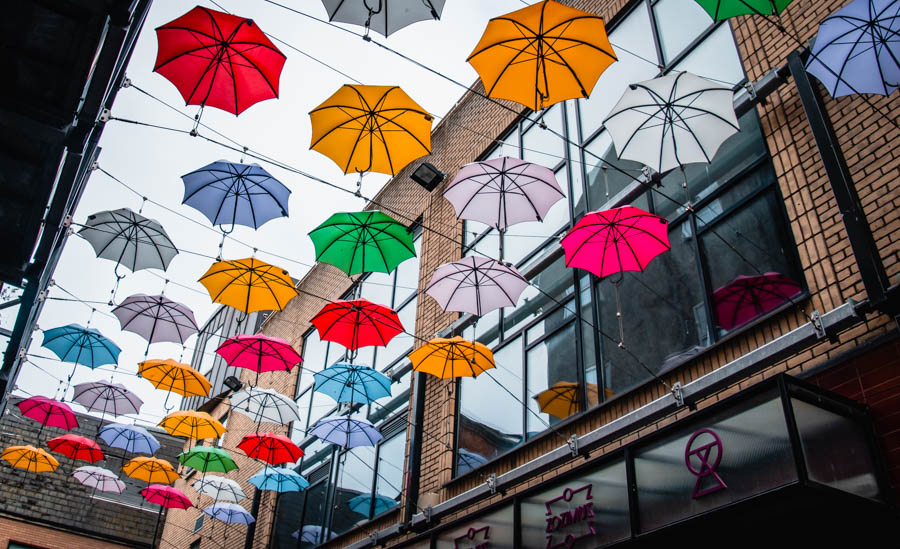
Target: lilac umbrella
[156, 318]
[346, 432]
[230, 513]
[107, 398]
[131, 438]
[99, 479]
[503, 191]
[476, 285]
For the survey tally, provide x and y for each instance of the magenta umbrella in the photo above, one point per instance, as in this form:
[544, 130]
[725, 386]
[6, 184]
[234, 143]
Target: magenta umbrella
[747, 297]
[48, 412]
[476, 285]
[167, 498]
[259, 353]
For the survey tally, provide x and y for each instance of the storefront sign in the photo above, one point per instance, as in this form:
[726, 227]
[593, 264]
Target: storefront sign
[582, 513]
[474, 538]
[705, 448]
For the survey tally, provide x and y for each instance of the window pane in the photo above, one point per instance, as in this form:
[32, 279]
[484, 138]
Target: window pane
[378, 288]
[408, 276]
[315, 352]
[354, 478]
[522, 239]
[553, 387]
[288, 514]
[486, 329]
[298, 428]
[604, 184]
[314, 513]
[588, 345]
[716, 58]
[680, 23]
[509, 146]
[488, 246]
[320, 407]
[401, 343]
[543, 146]
[316, 454]
[389, 482]
[555, 280]
[399, 399]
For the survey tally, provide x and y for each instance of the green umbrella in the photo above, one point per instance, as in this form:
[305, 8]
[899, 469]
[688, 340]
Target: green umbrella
[363, 242]
[723, 9]
[207, 458]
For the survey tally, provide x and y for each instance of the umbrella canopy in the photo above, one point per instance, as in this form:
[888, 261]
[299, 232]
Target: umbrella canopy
[612, 241]
[311, 534]
[672, 120]
[219, 60]
[192, 424]
[230, 513]
[131, 438]
[76, 447]
[542, 54]
[265, 405]
[361, 504]
[371, 129]
[857, 49]
[151, 469]
[219, 488]
[353, 383]
[175, 377]
[107, 398]
[129, 239]
[561, 399]
[85, 346]
[383, 16]
[271, 448]
[249, 285]
[723, 9]
[33, 460]
[357, 323]
[259, 353]
[48, 412]
[100, 479]
[363, 242]
[503, 191]
[228, 193]
[346, 432]
[279, 479]
[454, 357]
[747, 297]
[168, 497]
[207, 458]
[476, 285]
[156, 318]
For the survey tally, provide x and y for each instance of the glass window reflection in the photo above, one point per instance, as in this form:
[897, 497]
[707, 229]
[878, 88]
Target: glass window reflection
[554, 389]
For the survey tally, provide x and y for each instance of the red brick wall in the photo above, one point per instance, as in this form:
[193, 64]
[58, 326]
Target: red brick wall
[43, 537]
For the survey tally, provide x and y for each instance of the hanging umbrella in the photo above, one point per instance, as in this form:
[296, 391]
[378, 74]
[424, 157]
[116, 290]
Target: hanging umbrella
[857, 49]
[219, 488]
[468, 460]
[353, 383]
[259, 353]
[174, 377]
[346, 432]
[361, 504]
[371, 129]
[279, 479]
[219, 60]
[363, 242]
[311, 534]
[192, 425]
[33, 460]
[207, 458]
[561, 399]
[156, 318]
[265, 405]
[85, 346]
[76, 447]
[271, 448]
[383, 16]
[454, 357]
[130, 438]
[720, 10]
[747, 297]
[130, 239]
[503, 191]
[249, 285]
[48, 412]
[99, 479]
[230, 513]
[107, 398]
[151, 470]
[476, 285]
[166, 496]
[542, 54]
[357, 323]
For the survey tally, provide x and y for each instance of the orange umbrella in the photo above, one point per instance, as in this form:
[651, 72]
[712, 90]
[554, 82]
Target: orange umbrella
[33, 460]
[193, 425]
[561, 399]
[542, 54]
[249, 285]
[175, 377]
[454, 357]
[151, 469]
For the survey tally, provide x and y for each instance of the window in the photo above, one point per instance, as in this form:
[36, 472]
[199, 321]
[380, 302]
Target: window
[208, 356]
[198, 524]
[224, 421]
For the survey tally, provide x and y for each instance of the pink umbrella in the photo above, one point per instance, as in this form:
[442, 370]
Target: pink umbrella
[476, 285]
[259, 353]
[48, 412]
[747, 297]
[167, 498]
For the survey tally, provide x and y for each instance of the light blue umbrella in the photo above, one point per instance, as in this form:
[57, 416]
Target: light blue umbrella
[346, 432]
[279, 479]
[131, 438]
[361, 504]
[230, 513]
[353, 383]
[85, 346]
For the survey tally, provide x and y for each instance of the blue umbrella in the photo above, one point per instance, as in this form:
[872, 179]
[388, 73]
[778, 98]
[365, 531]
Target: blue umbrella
[279, 479]
[353, 383]
[361, 504]
[346, 432]
[230, 513]
[857, 49]
[85, 346]
[131, 438]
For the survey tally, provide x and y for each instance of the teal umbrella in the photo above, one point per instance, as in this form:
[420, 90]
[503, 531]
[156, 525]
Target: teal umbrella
[363, 242]
[361, 504]
[85, 346]
[279, 479]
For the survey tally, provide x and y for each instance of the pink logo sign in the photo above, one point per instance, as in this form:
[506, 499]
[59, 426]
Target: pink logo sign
[474, 538]
[702, 455]
[556, 523]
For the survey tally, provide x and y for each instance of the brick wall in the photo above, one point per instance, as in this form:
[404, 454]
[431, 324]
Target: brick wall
[40, 535]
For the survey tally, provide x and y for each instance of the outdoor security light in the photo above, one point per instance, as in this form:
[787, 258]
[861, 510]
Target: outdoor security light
[233, 383]
[428, 176]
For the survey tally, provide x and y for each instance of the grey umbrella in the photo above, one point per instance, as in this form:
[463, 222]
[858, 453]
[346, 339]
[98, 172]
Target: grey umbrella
[108, 398]
[383, 16]
[156, 318]
[265, 405]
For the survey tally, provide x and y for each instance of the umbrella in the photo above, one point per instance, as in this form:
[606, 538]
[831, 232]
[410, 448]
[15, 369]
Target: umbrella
[371, 129]
[476, 285]
[130, 438]
[561, 399]
[151, 470]
[156, 318]
[720, 10]
[76, 447]
[747, 297]
[279, 479]
[219, 60]
[454, 357]
[85, 346]
[259, 353]
[271, 448]
[542, 54]
[361, 504]
[249, 285]
[99, 478]
[175, 377]
[219, 488]
[857, 49]
[33, 460]
[311, 534]
[468, 460]
[357, 323]
[107, 398]
[503, 191]
[229, 513]
[192, 424]
[353, 383]
[48, 412]
[383, 16]
[265, 405]
[129, 239]
[166, 496]
[207, 458]
[363, 242]
[346, 432]
[672, 120]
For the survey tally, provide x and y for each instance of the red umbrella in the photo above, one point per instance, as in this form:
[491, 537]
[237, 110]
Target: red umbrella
[218, 59]
[76, 447]
[47, 411]
[357, 323]
[259, 353]
[271, 448]
[747, 297]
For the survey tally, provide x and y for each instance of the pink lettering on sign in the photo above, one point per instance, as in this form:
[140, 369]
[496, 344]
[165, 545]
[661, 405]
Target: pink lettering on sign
[557, 523]
[479, 536]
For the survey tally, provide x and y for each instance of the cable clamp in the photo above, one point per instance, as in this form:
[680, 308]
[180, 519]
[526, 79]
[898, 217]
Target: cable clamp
[373, 538]
[104, 116]
[42, 295]
[678, 393]
[67, 221]
[428, 512]
[126, 82]
[492, 483]
[751, 91]
[94, 166]
[816, 320]
[573, 445]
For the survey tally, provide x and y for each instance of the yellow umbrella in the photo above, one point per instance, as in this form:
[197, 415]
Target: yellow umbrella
[174, 377]
[33, 460]
[561, 399]
[249, 285]
[371, 129]
[193, 425]
[151, 469]
[542, 54]
[455, 357]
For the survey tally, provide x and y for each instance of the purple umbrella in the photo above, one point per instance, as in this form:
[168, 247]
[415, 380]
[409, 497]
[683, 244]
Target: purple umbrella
[107, 398]
[503, 191]
[476, 285]
[230, 513]
[346, 432]
[156, 318]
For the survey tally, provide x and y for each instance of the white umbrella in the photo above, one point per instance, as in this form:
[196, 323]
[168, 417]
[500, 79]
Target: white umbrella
[476, 285]
[99, 478]
[383, 16]
[265, 405]
[220, 488]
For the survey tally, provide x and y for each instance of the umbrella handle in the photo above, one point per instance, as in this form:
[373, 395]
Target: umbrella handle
[112, 294]
[619, 311]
